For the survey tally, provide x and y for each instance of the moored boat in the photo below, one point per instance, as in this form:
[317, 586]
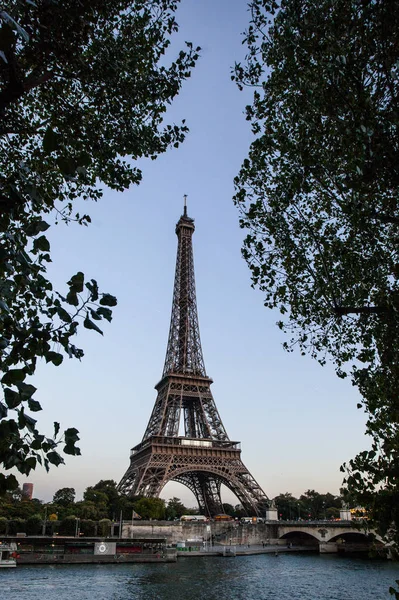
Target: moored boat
[8, 553]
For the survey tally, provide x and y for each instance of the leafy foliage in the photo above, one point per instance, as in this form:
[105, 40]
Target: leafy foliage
[3, 525]
[64, 496]
[229, 509]
[318, 195]
[69, 525]
[104, 527]
[310, 505]
[175, 509]
[83, 91]
[34, 525]
[150, 508]
[88, 527]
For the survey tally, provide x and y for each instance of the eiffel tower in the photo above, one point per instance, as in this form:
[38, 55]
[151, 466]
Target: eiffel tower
[204, 457]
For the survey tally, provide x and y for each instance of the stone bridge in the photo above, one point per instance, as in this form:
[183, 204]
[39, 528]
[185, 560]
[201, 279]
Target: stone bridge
[331, 536]
[327, 536]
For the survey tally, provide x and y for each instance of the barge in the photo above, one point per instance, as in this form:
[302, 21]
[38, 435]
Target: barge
[70, 550]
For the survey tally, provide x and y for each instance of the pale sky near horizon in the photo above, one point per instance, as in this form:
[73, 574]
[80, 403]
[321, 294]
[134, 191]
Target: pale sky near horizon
[297, 422]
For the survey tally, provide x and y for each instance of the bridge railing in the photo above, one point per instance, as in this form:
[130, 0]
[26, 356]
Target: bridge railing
[312, 523]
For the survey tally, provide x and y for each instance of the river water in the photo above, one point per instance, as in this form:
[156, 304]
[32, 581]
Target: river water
[260, 577]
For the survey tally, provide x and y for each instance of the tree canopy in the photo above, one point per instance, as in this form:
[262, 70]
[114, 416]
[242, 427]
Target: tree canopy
[175, 509]
[150, 508]
[318, 195]
[84, 88]
[64, 496]
[310, 505]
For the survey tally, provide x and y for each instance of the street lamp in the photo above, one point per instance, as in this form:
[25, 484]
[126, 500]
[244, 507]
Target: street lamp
[77, 522]
[45, 521]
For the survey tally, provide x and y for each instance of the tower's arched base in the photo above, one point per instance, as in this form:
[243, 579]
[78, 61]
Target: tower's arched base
[203, 469]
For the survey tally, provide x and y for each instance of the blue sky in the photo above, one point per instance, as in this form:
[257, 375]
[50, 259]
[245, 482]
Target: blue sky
[297, 421]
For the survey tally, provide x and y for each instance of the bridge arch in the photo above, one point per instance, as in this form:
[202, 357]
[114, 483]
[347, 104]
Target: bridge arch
[356, 536]
[299, 537]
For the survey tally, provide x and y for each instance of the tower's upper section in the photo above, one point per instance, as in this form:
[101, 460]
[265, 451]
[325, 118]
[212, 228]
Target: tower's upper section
[184, 352]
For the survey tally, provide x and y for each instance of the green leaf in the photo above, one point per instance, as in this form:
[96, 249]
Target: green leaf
[94, 315]
[3, 411]
[36, 444]
[64, 315]
[42, 244]
[71, 449]
[76, 282]
[56, 428]
[108, 300]
[35, 227]
[90, 325]
[54, 458]
[13, 376]
[25, 389]
[12, 398]
[71, 437]
[93, 289]
[34, 405]
[71, 434]
[72, 298]
[26, 421]
[50, 141]
[105, 312]
[31, 463]
[55, 357]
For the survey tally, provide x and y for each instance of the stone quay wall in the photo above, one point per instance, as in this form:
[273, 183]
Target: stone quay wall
[219, 532]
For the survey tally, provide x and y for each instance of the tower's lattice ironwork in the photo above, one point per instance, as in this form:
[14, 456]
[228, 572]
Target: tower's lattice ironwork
[204, 457]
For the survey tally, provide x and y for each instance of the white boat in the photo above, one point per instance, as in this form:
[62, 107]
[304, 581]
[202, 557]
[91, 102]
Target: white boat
[8, 554]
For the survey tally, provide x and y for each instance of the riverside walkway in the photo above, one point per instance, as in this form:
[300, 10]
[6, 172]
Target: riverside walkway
[242, 550]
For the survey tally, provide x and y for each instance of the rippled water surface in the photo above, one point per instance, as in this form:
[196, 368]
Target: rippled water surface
[294, 577]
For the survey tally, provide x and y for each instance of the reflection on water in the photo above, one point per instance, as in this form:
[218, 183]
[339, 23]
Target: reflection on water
[261, 577]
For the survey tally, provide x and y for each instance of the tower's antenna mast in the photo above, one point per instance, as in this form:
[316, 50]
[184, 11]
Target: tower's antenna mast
[185, 205]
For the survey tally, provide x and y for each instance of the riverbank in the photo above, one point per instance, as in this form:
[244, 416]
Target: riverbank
[79, 550]
[165, 555]
[57, 550]
[243, 550]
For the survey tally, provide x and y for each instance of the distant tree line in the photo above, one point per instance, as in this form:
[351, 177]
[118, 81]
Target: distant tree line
[102, 504]
[310, 505]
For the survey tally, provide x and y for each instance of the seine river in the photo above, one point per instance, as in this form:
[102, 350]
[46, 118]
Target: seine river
[260, 577]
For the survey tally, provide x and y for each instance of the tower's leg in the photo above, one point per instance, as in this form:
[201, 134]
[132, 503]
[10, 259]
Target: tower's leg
[206, 489]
